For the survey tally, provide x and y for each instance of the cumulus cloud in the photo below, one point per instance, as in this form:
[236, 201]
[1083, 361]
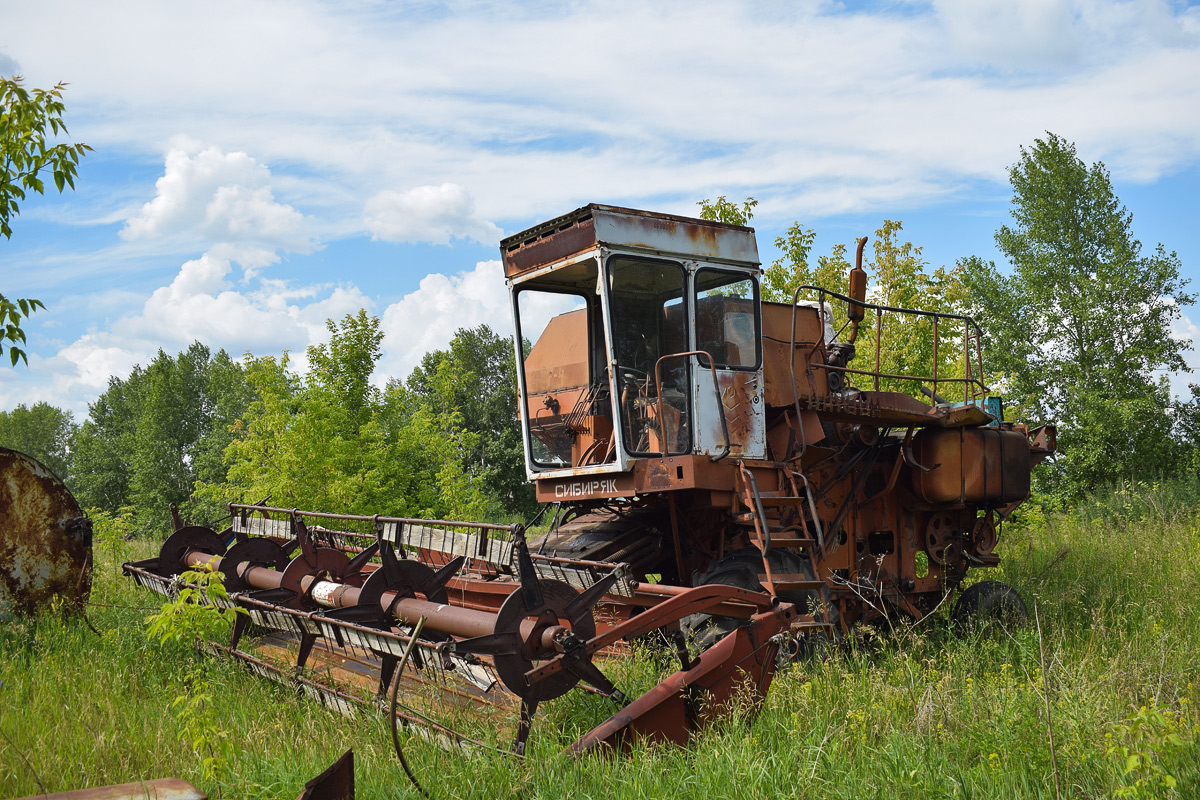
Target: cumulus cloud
[810, 94]
[426, 319]
[224, 198]
[434, 214]
[199, 304]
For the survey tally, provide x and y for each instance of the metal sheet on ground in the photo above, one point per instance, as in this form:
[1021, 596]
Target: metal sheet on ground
[45, 540]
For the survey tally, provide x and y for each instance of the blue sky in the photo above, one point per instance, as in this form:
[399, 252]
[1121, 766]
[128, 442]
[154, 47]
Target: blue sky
[260, 166]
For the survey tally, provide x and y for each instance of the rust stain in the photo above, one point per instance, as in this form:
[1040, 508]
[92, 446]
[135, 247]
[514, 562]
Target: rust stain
[45, 540]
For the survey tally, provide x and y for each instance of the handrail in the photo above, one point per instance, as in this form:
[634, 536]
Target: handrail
[373, 518]
[716, 392]
[972, 380]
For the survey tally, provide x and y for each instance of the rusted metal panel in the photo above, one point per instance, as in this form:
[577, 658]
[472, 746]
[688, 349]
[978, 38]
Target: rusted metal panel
[741, 396]
[45, 540]
[627, 229]
[777, 341]
[971, 465]
[665, 233]
[549, 242]
[158, 789]
[585, 487]
[335, 783]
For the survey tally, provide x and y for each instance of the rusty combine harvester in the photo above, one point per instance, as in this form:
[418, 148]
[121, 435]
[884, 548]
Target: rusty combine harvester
[723, 470]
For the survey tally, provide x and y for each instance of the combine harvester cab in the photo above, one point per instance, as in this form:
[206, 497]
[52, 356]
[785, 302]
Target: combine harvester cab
[700, 435]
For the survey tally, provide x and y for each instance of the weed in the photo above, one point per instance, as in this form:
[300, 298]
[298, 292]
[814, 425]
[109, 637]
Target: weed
[199, 610]
[1140, 745]
[200, 727]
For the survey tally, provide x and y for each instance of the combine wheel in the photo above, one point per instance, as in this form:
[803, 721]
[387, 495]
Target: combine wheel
[990, 600]
[741, 568]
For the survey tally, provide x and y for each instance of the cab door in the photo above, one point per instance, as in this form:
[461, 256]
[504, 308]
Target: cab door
[726, 326]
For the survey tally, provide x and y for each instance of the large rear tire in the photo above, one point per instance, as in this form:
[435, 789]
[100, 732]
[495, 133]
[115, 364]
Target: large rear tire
[741, 568]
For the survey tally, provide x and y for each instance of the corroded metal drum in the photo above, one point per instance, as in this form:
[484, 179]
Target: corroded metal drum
[45, 539]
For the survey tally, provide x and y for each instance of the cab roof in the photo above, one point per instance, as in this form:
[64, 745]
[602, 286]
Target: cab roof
[596, 225]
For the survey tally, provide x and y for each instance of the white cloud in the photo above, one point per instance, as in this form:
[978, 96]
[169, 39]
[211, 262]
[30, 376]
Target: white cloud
[499, 117]
[434, 214]
[198, 305]
[226, 199]
[427, 318]
[785, 101]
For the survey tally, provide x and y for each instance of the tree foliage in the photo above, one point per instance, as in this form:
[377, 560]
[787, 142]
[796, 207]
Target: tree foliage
[42, 431]
[329, 440]
[27, 118]
[722, 210]
[477, 378]
[150, 437]
[1079, 332]
[899, 277]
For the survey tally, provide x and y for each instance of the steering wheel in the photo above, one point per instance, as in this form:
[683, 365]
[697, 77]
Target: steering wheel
[631, 375]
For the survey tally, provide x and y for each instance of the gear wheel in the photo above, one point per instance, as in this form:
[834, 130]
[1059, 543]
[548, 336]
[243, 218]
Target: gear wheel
[983, 536]
[943, 540]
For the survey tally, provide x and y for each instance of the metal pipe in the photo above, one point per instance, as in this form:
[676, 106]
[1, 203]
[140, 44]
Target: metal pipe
[454, 620]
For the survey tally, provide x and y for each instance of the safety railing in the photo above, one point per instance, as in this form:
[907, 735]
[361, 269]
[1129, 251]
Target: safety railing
[971, 381]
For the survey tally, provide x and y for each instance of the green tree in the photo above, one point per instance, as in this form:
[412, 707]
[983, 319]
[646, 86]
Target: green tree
[150, 437]
[722, 210]
[103, 444]
[899, 277]
[902, 279]
[26, 119]
[477, 378]
[1079, 332]
[42, 431]
[345, 365]
[331, 442]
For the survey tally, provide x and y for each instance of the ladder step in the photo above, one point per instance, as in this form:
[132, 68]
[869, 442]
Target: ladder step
[793, 583]
[782, 501]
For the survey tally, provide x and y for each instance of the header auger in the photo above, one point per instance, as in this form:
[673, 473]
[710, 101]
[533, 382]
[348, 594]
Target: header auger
[522, 629]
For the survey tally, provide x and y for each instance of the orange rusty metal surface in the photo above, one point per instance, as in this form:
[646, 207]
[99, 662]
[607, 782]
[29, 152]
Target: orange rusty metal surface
[158, 789]
[598, 225]
[45, 540]
[971, 465]
[777, 341]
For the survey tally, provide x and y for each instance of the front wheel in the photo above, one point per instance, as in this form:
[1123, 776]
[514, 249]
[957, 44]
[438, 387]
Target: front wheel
[991, 600]
[741, 568]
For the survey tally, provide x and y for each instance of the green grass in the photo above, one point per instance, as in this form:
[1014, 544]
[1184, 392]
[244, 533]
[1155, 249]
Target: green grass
[918, 711]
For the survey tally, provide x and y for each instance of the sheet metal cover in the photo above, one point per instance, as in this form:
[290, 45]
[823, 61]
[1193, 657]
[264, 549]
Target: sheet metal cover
[45, 540]
[627, 228]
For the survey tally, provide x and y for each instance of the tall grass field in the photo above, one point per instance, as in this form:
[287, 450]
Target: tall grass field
[1095, 698]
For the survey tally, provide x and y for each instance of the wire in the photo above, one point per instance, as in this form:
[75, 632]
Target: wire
[395, 692]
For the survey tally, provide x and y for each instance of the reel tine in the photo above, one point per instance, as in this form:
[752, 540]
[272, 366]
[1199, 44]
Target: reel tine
[443, 576]
[591, 596]
[490, 645]
[528, 709]
[359, 561]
